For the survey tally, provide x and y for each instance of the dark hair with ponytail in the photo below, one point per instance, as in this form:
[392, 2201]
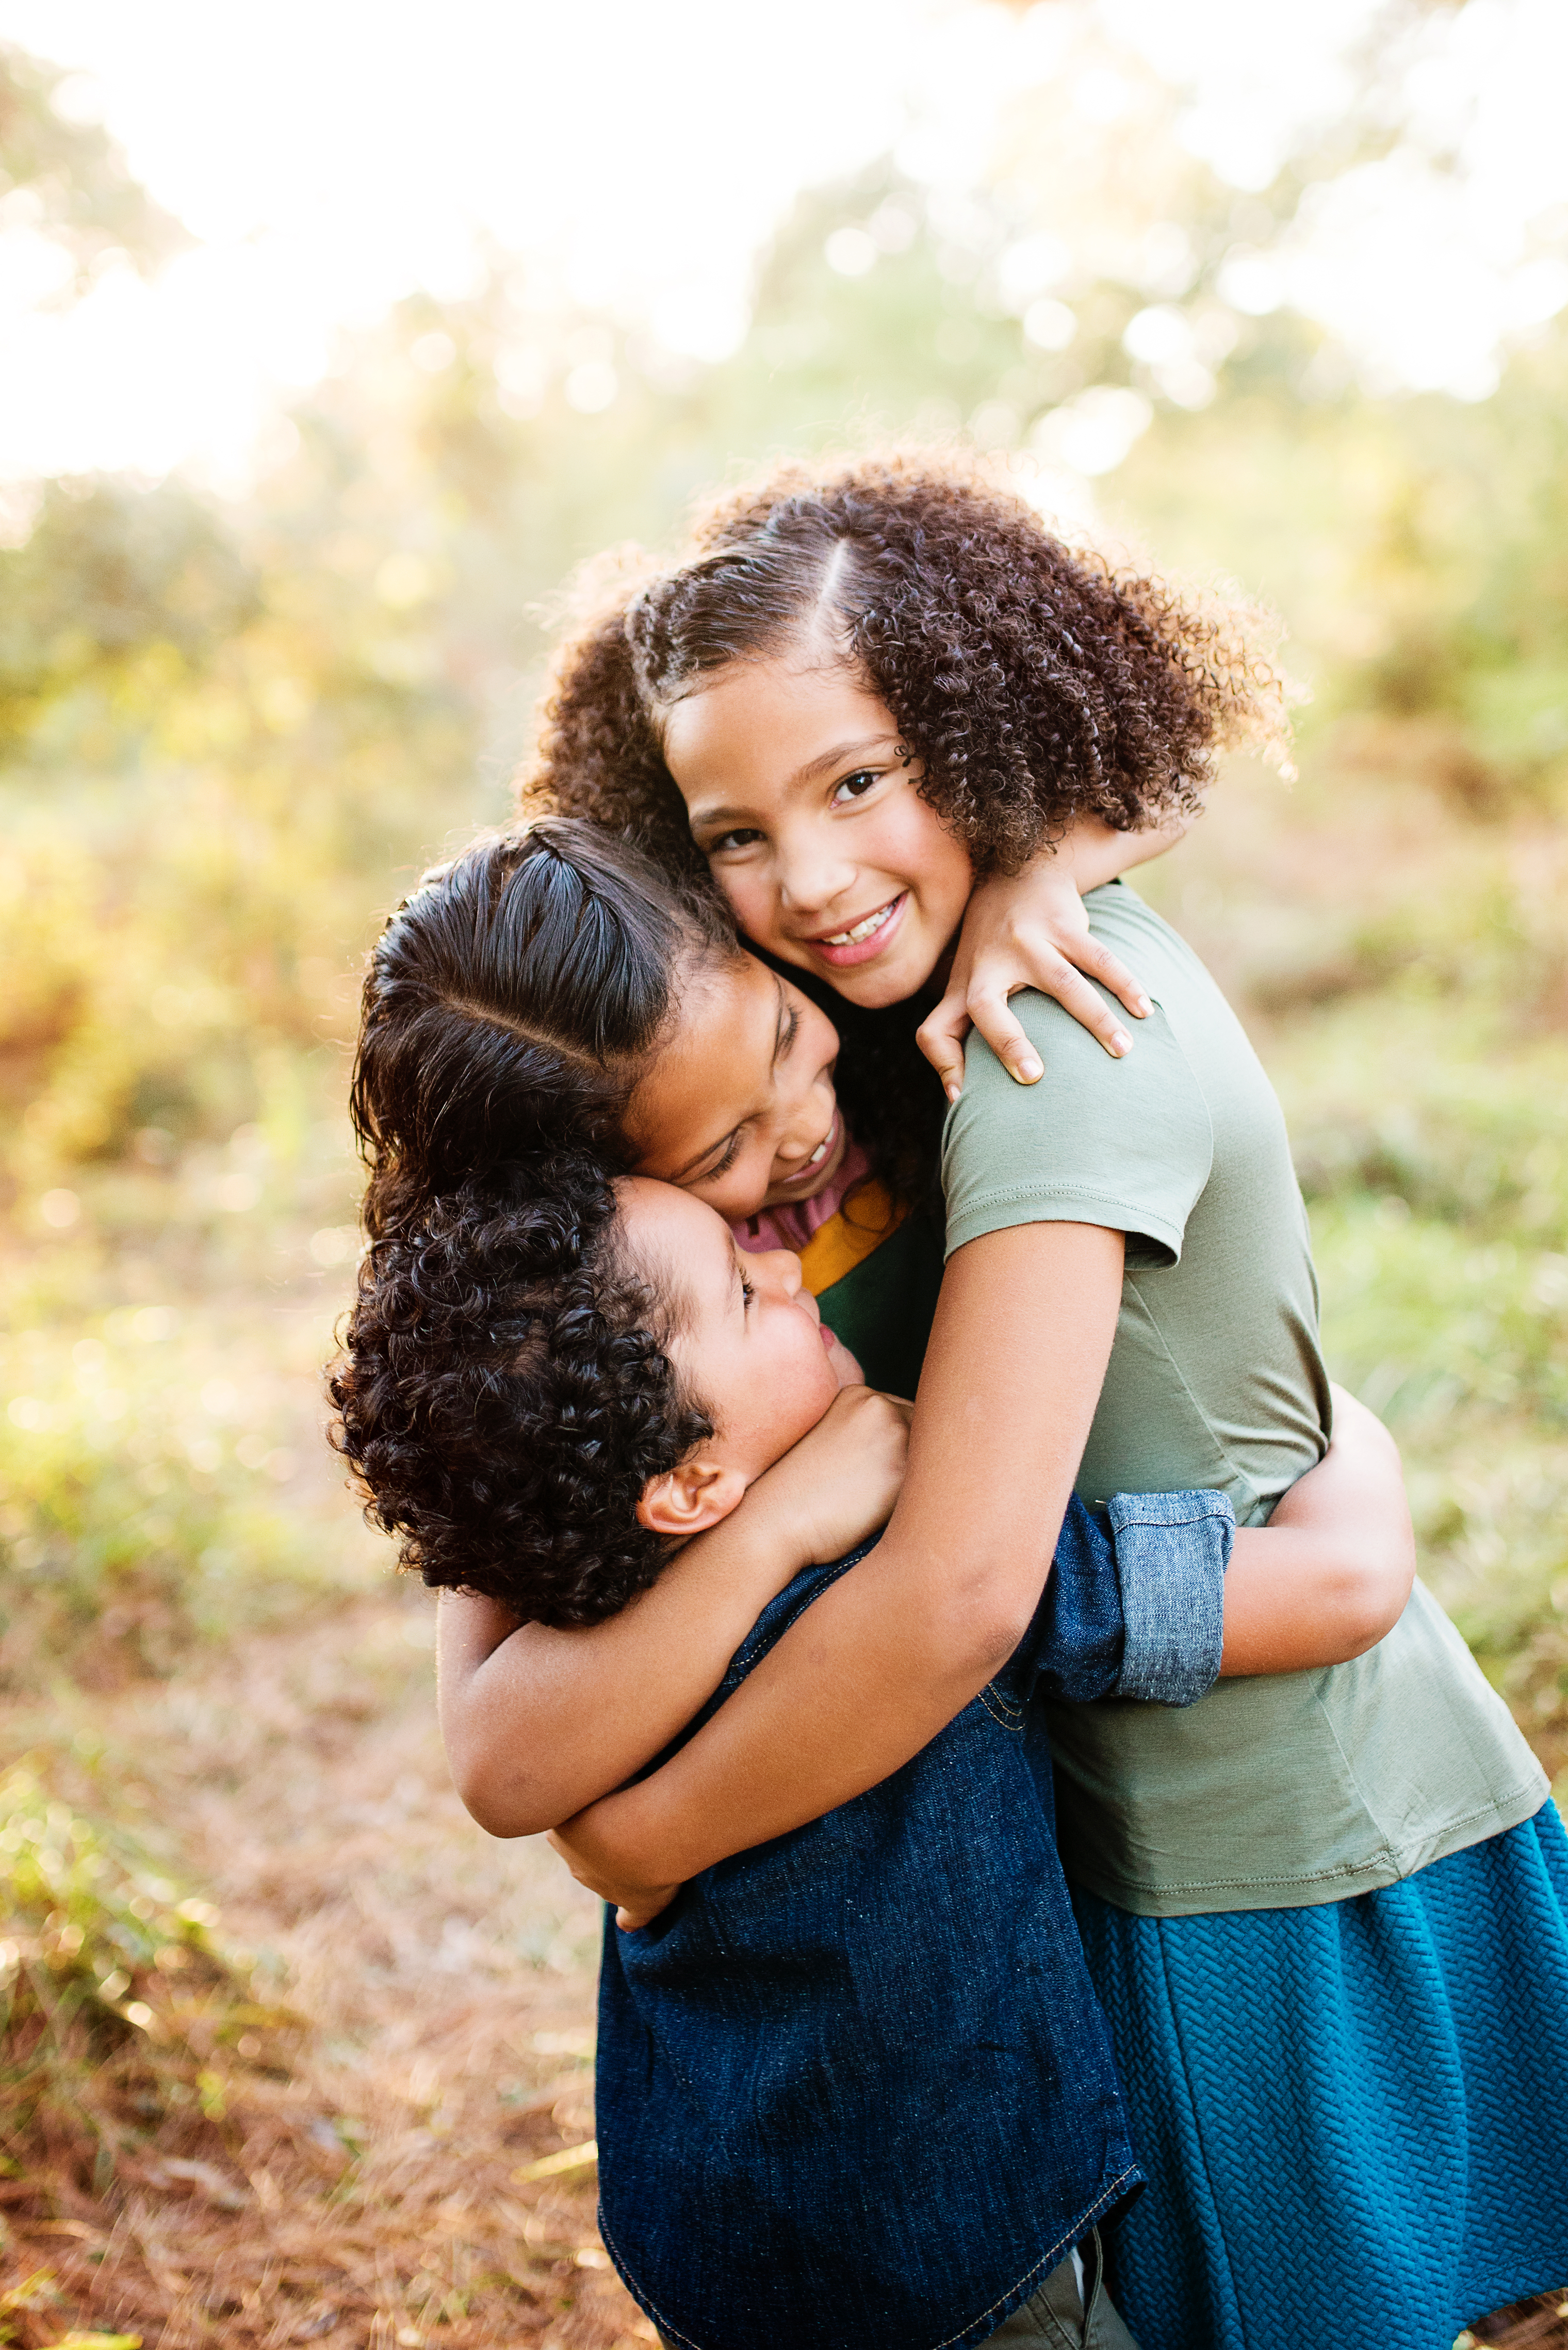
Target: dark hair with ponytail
[512, 1004]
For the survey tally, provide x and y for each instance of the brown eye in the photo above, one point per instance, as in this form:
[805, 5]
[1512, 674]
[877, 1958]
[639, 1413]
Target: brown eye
[855, 786]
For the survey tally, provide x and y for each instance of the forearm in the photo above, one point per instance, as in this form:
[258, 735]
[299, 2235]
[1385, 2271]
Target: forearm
[796, 1753]
[882, 1660]
[1330, 1574]
[1097, 853]
[539, 1721]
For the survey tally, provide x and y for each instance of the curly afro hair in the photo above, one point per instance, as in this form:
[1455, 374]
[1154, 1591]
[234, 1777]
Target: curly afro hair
[1036, 682]
[512, 1004]
[506, 1392]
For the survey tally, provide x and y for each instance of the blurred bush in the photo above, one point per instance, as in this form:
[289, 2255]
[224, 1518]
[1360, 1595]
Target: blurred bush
[118, 2008]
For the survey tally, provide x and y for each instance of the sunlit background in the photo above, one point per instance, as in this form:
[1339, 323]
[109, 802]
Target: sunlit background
[331, 340]
[631, 162]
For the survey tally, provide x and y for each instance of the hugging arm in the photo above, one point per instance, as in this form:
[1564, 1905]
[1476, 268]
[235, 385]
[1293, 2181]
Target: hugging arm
[1331, 1572]
[882, 1661]
[1030, 930]
[538, 1721]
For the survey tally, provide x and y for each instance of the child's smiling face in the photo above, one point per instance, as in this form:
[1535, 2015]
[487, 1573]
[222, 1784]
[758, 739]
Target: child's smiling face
[748, 1340]
[805, 803]
[739, 1107]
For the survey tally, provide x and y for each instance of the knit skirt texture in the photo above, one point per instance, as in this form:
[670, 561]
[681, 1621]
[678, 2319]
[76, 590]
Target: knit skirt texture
[1354, 2117]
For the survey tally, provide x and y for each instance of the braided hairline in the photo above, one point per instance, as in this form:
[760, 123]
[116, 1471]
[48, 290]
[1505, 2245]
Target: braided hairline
[1037, 684]
[475, 1044]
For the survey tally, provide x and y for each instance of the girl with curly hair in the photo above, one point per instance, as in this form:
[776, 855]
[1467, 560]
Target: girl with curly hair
[1328, 1913]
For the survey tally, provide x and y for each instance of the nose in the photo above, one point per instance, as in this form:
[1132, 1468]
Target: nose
[813, 871]
[782, 1268]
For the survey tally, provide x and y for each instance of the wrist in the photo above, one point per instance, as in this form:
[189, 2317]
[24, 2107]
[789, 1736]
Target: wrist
[1092, 854]
[775, 1536]
[630, 1839]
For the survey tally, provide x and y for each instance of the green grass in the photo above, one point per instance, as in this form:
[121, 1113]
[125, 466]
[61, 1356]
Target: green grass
[1432, 1140]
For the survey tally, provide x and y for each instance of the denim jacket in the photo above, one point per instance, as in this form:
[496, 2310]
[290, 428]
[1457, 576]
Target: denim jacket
[855, 2092]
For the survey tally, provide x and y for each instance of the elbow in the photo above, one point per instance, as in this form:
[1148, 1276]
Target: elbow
[1372, 1595]
[494, 1801]
[974, 1641]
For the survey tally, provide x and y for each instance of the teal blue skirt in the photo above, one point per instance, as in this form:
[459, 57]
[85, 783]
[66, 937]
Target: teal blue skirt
[1354, 2117]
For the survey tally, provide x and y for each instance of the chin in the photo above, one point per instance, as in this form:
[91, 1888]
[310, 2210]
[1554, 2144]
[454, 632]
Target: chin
[874, 988]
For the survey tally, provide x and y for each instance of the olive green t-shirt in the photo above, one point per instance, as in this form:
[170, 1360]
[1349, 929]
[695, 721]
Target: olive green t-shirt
[883, 1308]
[1268, 1793]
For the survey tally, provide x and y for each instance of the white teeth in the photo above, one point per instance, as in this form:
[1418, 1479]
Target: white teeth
[862, 930]
[817, 1156]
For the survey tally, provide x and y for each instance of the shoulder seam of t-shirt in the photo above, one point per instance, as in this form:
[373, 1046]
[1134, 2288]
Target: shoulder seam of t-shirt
[1050, 1197]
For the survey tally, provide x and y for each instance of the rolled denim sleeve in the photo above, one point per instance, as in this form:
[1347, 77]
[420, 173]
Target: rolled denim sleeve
[1172, 1550]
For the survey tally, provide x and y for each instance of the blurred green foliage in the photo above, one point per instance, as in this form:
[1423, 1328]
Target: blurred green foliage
[231, 735]
[148, 1497]
[117, 2006]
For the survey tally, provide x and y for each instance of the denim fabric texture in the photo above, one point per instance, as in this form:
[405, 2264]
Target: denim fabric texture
[1136, 1604]
[1172, 1550]
[855, 2092]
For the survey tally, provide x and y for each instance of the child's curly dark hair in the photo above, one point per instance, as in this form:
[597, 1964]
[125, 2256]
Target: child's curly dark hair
[1036, 682]
[505, 1391]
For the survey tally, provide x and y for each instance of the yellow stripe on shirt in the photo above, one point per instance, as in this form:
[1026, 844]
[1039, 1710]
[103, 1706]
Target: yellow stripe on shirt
[869, 1217]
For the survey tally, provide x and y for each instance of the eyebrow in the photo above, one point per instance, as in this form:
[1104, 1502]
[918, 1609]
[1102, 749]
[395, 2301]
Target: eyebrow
[720, 1140]
[704, 818]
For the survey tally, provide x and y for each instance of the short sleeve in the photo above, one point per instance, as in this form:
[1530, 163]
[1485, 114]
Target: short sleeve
[1126, 1144]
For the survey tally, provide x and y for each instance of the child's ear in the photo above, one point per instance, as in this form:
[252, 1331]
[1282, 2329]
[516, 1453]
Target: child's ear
[690, 1499]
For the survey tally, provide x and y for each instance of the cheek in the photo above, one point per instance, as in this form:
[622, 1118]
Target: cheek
[813, 1386]
[738, 1193]
[787, 1401]
[752, 899]
[938, 864]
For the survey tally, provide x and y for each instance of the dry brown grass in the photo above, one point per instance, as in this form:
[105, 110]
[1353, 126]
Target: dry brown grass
[369, 2194]
[361, 2186]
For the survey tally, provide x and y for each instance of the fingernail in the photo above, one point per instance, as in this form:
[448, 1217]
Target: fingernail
[1122, 1041]
[1028, 1068]
[1143, 1007]
[952, 1093]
